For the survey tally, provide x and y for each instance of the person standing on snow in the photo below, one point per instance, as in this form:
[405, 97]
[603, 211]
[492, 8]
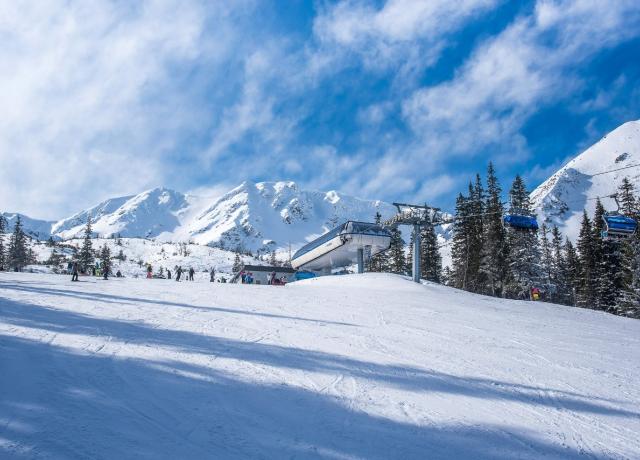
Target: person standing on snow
[178, 273]
[212, 275]
[168, 274]
[191, 272]
[74, 272]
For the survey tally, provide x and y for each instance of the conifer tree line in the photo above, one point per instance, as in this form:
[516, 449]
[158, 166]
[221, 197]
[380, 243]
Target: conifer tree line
[492, 259]
[16, 253]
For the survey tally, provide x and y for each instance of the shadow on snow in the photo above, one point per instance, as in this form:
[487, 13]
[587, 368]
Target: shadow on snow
[65, 404]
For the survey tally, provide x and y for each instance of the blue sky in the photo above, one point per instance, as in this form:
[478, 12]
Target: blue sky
[397, 100]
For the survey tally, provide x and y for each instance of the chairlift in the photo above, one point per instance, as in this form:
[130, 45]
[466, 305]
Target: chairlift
[520, 222]
[618, 226]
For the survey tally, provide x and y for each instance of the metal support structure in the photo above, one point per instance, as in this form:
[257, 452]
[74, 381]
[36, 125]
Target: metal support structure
[360, 260]
[416, 253]
[417, 216]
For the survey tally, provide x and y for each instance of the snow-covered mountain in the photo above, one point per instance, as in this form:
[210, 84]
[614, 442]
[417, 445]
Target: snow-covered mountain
[253, 216]
[148, 214]
[36, 228]
[268, 215]
[561, 199]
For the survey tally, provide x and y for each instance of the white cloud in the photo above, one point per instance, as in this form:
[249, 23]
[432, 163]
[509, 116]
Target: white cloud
[387, 33]
[89, 109]
[511, 76]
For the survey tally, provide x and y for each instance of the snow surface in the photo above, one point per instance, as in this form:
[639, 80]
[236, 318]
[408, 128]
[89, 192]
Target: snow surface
[362, 366]
[561, 199]
[156, 253]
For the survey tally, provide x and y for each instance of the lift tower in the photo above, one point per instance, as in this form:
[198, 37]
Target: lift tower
[417, 217]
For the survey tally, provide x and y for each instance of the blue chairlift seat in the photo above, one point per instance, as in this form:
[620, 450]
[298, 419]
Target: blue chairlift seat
[520, 222]
[619, 226]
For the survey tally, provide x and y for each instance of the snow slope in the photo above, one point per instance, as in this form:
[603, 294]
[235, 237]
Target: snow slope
[561, 199]
[364, 366]
[138, 253]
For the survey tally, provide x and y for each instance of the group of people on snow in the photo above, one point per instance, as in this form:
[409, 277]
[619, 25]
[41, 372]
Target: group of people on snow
[95, 270]
[75, 269]
[275, 281]
[179, 271]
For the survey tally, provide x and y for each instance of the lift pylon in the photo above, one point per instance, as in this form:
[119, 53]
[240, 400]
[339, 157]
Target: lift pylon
[417, 217]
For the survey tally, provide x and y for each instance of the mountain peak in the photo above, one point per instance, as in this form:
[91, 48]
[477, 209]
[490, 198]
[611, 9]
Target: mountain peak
[596, 172]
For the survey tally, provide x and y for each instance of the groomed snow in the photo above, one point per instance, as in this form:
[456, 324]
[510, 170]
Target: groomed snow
[363, 366]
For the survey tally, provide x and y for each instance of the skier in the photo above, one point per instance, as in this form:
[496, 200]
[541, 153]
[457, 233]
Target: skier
[212, 275]
[74, 272]
[191, 272]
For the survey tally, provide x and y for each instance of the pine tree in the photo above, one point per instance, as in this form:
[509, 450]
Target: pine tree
[447, 275]
[18, 256]
[430, 258]
[571, 272]
[55, 258]
[546, 262]
[586, 293]
[121, 257]
[460, 244]
[3, 251]
[524, 250]
[627, 199]
[395, 260]
[475, 278]
[272, 259]
[237, 263]
[409, 257]
[493, 264]
[86, 253]
[105, 260]
[606, 263]
[376, 261]
[628, 276]
[559, 277]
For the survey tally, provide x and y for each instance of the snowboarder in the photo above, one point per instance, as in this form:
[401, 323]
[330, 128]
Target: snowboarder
[74, 272]
[191, 272]
[212, 275]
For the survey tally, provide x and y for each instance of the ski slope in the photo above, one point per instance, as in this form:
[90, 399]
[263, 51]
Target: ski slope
[361, 366]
